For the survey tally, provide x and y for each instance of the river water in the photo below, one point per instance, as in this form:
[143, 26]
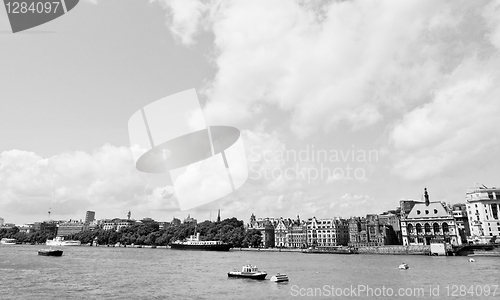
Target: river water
[131, 273]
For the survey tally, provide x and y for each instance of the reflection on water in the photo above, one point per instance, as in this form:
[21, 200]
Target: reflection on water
[128, 273]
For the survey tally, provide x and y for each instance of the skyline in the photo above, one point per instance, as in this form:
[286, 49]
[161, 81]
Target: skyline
[413, 82]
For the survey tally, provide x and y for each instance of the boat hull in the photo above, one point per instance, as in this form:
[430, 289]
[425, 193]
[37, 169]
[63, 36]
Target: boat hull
[220, 247]
[260, 276]
[47, 252]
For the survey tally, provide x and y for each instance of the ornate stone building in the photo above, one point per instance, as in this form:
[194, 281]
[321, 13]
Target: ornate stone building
[326, 233]
[429, 222]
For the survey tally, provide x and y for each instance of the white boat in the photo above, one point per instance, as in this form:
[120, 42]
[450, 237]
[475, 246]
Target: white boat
[59, 241]
[279, 278]
[6, 241]
[404, 266]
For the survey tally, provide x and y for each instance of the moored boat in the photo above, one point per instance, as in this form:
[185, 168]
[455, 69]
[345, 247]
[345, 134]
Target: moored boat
[7, 241]
[194, 243]
[248, 271]
[50, 252]
[60, 241]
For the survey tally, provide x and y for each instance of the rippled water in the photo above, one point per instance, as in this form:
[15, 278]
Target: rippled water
[129, 273]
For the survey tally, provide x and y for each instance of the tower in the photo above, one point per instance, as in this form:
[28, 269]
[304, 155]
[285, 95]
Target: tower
[128, 215]
[426, 197]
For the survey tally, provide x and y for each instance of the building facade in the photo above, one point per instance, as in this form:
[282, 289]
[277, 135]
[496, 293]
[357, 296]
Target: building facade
[483, 206]
[266, 228]
[89, 216]
[69, 228]
[324, 233]
[429, 222]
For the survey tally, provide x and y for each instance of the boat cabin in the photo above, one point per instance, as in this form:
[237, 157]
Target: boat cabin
[249, 269]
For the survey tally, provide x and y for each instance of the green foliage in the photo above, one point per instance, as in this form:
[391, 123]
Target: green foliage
[229, 231]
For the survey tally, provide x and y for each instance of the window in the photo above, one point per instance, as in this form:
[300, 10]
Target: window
[418, 212]
[419, 228]
[445, 227]
[426, 212]
[435, 211]
[410, 228]
[427, 228]
[435, 227]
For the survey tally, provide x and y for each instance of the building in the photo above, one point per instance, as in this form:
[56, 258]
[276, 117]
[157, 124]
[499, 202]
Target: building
[89, 217]
[459, 211]
[483, 206]
[117, 224]
[26, 228]
[266, 228]
[49, 227]
[296, 236]
[190, 220]
[429, 222]
[281, 232]
[176, 222]
[326, 233]
[70, 227]
[374, 230]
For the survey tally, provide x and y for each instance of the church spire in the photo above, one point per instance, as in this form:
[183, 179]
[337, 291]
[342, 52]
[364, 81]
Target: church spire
[218, 216]
[426, 197]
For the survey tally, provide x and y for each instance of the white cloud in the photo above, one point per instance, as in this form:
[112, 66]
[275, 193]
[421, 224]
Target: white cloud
[184, 18]
[105, 181]
[458, 127]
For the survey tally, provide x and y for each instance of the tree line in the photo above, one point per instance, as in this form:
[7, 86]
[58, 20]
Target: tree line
[229, 230]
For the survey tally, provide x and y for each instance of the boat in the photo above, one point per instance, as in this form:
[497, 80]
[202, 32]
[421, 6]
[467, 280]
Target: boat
[6, 241]
[404, 266]
[330, 250]
[248, 271]
[50, 252]
[279, 278]
[472, 259]
[59, 241]
[194, 243]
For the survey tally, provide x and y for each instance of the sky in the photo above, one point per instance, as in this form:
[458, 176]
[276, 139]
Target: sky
[344, 107]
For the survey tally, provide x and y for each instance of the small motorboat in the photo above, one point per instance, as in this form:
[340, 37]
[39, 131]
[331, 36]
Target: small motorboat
[279, 278]
[50, 252]
[472, 259]
[248, 271]
[403, 266]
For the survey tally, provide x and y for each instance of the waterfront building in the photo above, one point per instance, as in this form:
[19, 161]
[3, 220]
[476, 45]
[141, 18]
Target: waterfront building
[326, 233]
[459, 211]
[281, 232]
[49, 227]
[374, 230]
[483, 206]
[296, 236]
[429, 222]
[266, 228]
[70, 227]
[117, 224]
[89, 216]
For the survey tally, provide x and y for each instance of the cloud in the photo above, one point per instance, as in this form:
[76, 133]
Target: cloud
[184, 18]
[104, 180]
[458, 127]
